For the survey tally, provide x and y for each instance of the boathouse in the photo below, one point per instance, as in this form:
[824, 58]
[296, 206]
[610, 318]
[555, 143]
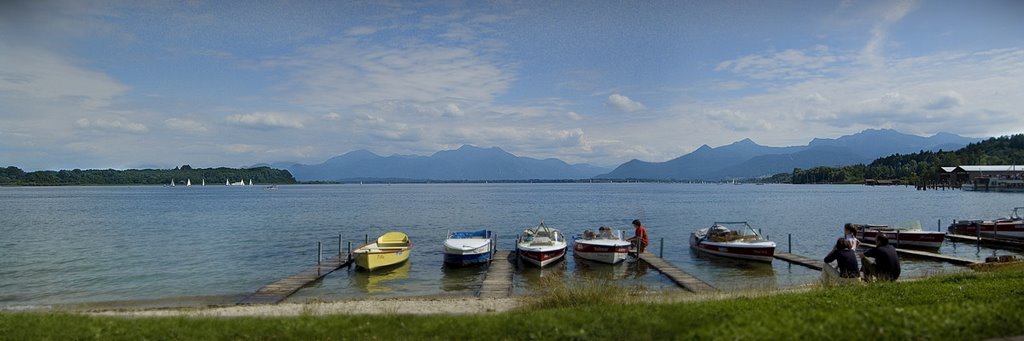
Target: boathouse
[968, 174]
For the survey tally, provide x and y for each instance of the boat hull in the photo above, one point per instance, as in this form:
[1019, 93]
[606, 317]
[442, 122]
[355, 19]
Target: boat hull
[760, 251]
[605, 253]
[988, 228]
[374, 260]
[467, 259]
[541, 257]
[922, 239]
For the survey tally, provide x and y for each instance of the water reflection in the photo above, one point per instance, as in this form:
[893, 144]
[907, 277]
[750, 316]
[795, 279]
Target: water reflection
[533, 278]
[462, 278]
[588, 269]
[381, 281]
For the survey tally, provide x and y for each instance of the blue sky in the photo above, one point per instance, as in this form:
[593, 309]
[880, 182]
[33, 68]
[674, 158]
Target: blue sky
[98, 84]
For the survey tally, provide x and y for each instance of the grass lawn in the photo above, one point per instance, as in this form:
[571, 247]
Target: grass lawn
[966, 306]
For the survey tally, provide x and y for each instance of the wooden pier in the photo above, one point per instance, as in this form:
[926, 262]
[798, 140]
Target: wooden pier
[498, 280]
[276, 292]
[681, 278]
[931, 255]
[800, 260]
[987, 241]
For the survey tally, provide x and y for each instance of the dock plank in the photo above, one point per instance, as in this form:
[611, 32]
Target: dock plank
[498, 280]
[987, 241]
[276, 292]
[677, 275]
[931, 255]
[800, 260]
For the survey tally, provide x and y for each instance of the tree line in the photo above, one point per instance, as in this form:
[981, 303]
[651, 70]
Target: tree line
[14, 176]
[920, 167]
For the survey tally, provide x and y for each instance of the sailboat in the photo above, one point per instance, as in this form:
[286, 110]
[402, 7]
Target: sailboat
[204, 182]
[188, 183]
[250, 182]
[227, 182]
[172, 182]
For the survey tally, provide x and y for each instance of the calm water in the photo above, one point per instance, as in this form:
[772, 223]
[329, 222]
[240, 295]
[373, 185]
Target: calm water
[91, 244]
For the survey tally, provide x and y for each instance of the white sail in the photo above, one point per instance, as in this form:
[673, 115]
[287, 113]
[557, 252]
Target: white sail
[172, 182]
[189, 182]
[227, 182]
[250, 182]
[204, 182]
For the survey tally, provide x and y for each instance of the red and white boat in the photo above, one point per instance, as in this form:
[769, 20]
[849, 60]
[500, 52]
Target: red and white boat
[901, 237]
[1010, 227]
[541, 245]
[605, 246]
[741, 242]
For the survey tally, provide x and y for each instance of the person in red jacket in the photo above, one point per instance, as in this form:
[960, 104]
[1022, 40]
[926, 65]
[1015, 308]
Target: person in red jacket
[639, 238]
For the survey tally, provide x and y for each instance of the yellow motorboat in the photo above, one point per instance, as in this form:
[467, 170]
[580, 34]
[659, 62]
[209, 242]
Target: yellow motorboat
[391, 248]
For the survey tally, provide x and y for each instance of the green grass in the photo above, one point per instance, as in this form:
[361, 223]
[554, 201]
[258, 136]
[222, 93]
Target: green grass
[955, 307]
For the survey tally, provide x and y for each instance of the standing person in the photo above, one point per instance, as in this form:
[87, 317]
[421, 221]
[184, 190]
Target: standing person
[845, 258]
[887, 263]
[639, 236]
[850, 233]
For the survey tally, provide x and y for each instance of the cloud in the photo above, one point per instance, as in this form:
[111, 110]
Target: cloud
[31, 75]
[266, 120]
[946, 100]
[111, 125]
[361, 31]
[333, 116]
[348, 74]
[623, 103]
[185, 125]
[572, 115]
[872, 52]
[790, 64]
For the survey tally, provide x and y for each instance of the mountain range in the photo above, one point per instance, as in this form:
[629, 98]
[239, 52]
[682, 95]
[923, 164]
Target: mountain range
[746, 159]
[741, 159]
[466, 163]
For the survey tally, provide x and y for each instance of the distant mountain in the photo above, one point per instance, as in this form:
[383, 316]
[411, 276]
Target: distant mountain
[745, 158]
[466, 163]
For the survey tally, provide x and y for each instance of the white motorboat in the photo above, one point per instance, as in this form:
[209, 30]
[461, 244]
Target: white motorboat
[605, 246]
[541, 245]
[741, 242]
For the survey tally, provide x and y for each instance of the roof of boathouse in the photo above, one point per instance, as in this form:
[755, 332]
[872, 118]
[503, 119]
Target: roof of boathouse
[992, 168]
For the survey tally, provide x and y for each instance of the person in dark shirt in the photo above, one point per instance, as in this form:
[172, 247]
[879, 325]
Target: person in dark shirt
[845, 258]
[887, 263]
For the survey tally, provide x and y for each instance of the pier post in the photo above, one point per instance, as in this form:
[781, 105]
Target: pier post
[349, 250]
[789, 243]
[977, 234]
[339, 244]
[661, 250]
[366, 239]
[938, 226]
[319, 252]
[897, 238]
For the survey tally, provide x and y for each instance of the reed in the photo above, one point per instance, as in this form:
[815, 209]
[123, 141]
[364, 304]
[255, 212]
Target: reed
[557, 292]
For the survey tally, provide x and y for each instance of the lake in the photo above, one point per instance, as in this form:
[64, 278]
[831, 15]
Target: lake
[65, 245]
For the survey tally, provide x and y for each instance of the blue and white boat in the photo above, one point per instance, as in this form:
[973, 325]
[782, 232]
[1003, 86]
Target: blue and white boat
[465, 248]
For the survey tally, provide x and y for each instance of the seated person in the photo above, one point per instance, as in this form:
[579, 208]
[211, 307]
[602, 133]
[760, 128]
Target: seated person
[588, 234]
[605, 233]
[886, 262]
[845, 257]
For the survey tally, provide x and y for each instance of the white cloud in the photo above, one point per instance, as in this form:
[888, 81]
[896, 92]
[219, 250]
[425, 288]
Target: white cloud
[788, 65]
[239, 148]
[623, 103]
[266, 120]
[332, 116]
[361, 31]
[572, 115]
[347, 74]
[33, 75]
[111, 125]
[185, 125]
[896, 10]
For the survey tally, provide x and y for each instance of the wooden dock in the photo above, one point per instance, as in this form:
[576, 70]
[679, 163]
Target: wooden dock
[681, 278]
[800, 260]
[498, 280]
[276, 292]
[931, 255]
[987, 241]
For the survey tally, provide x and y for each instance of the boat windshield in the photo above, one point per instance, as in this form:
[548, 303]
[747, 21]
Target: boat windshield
[739, 231]
[603, 232]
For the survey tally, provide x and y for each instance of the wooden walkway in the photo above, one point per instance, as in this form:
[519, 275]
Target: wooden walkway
[498, 280]
[931, 255]
[800, 260]
[987, 241]
[677, 275]
[276, 292]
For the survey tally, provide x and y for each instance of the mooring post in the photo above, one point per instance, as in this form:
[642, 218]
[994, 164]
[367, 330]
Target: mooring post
[319, 252]
[349, 251]
[938, 226]
[366, 239]
[789, 243]
[897, 238]
[977, 234]
[661, 250]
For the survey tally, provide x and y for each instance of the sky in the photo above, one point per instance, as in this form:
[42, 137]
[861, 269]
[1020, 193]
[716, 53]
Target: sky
[127, 84]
